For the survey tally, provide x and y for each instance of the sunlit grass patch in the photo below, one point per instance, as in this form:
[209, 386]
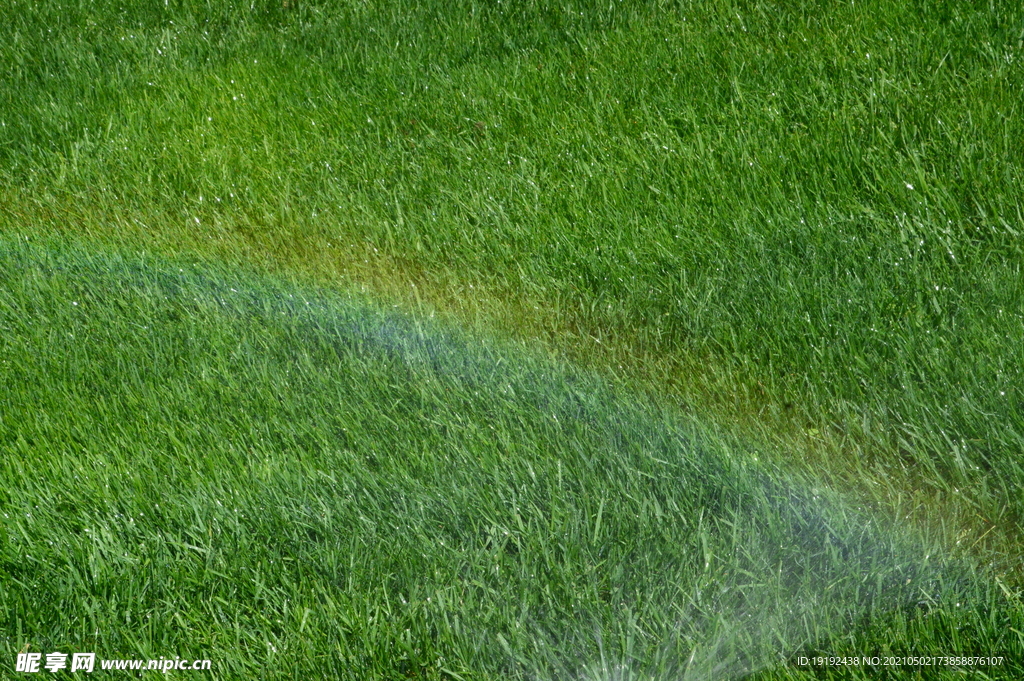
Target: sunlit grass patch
[801, 222]
[798, 224]
[294, 482]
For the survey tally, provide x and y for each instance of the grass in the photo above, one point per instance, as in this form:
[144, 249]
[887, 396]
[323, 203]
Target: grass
[300, 484]
[800, 222]
[793, 218]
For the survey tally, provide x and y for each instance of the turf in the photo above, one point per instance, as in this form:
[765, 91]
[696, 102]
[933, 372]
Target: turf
[298, 484]
[801, 218]
[796, 223]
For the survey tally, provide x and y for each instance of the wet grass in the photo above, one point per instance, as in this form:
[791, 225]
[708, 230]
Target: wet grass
[800, 222]
[299, 484]
[803, 220]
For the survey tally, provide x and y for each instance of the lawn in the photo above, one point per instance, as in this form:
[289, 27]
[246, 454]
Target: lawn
[777, 246]
[299, 484]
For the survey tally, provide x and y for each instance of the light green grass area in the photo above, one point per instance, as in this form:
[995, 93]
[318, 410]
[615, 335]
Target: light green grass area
[301, 485]
[789, 231]
[803, 218]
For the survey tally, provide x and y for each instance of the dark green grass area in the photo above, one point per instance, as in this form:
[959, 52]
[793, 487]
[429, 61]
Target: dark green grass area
[298, 484]
[820, 199]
